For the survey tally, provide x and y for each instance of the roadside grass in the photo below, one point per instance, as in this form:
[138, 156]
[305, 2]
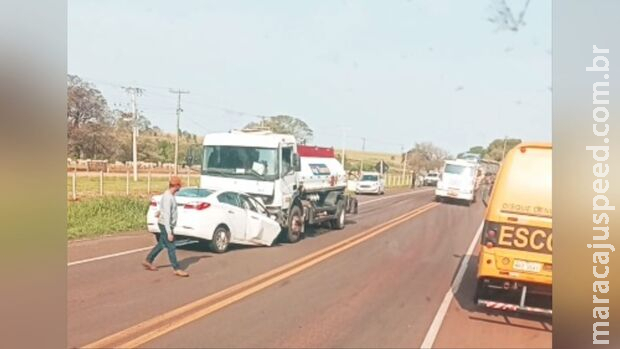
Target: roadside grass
[105, 215]
[356, 156]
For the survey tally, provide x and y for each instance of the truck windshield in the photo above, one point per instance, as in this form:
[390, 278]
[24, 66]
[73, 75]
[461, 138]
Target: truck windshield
[459, 170]
[240, 162]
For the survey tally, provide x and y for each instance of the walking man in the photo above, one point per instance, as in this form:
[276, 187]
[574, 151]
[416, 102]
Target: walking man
[167, 220]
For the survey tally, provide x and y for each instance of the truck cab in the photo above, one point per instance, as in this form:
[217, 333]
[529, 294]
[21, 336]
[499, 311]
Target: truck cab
[297, 184]
[458, 180]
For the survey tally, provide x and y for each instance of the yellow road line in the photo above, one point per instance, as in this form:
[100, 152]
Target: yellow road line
[148, 330]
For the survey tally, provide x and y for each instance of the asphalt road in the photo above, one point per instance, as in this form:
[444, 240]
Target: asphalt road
[380, 282]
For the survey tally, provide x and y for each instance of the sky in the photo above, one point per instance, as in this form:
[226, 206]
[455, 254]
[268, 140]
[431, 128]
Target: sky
[394, 72]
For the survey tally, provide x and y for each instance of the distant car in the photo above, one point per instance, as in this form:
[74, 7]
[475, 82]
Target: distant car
[370, 183]
[431, 179]
[219, 217]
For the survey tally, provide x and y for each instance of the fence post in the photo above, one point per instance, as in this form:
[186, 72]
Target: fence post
[148, 182]
[101, 182]
[73, 185]
[127, 184]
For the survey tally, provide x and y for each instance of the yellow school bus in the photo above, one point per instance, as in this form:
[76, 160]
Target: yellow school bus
[514, 268]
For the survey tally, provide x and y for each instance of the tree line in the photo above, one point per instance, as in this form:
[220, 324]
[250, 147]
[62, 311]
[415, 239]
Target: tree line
[96, 131]
[496, 149]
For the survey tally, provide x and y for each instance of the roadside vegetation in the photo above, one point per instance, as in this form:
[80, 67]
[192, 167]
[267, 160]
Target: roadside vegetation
[107, 215]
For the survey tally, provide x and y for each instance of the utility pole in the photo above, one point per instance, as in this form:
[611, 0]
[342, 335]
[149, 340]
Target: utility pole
[402, 148]
[134, 91]
[344, 137]
[176, 143]
[363, 150]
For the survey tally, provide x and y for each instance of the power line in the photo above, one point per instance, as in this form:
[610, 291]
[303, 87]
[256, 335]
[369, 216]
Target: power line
[239, 115]
[176, 144]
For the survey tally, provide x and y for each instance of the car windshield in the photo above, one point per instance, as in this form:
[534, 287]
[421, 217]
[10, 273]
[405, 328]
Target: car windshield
[240, 162]
[370, 178]
[194, 192]
[459, 170]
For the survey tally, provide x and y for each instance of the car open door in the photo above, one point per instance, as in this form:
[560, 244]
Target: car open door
[260, 228]
[234, 213]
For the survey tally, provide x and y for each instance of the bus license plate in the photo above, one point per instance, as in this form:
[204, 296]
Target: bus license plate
[453, 193]
[531, 267]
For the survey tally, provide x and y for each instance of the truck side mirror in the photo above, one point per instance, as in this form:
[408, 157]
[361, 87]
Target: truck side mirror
[296, 162]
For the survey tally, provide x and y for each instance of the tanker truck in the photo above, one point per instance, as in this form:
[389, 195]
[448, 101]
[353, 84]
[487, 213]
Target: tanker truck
[299, 185]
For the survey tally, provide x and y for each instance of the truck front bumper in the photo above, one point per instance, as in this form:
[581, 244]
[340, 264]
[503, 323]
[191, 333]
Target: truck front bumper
[454, 194]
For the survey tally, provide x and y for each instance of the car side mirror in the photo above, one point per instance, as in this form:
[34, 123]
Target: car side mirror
[296, 162]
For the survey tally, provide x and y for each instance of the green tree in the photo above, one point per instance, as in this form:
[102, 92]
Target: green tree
[426, 156]
[287, 125]
[89, 122]
[495, 150]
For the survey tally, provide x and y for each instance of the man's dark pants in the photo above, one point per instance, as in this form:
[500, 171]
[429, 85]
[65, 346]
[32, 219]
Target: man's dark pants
[161, 244]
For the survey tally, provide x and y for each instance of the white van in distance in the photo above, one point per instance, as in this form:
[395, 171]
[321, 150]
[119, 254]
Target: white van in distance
[457, 181]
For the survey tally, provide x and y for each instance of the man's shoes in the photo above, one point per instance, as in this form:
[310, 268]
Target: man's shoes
[179, 272]
[149, 266]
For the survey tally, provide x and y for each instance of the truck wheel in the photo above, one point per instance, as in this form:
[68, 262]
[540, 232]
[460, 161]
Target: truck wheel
[294, 225]
[438, 198]
[338, 222]
[220, 240]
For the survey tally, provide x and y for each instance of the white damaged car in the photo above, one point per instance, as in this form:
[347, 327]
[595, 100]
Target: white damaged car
[219, 217]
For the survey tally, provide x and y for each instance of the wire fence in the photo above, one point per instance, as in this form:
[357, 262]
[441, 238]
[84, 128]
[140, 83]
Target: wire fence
[97, 184]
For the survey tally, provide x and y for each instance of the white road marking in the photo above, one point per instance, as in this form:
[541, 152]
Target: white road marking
[432, 332]
[182, 244]
[123, 253]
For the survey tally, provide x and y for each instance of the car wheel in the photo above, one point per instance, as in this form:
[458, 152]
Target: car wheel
[438, 198]
[220, 240]
[294, 225]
